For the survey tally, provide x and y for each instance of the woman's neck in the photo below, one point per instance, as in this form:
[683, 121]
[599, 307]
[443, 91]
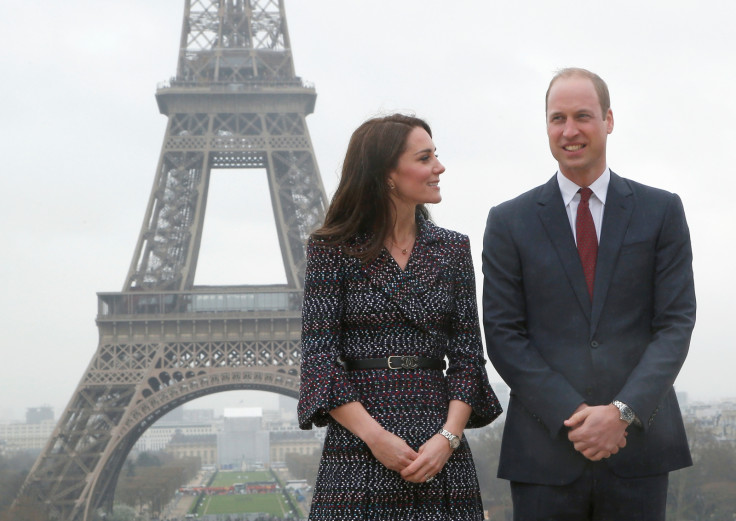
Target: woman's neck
[405, 229]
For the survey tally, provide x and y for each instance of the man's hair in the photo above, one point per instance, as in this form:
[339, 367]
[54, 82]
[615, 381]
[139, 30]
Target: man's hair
[604, 98]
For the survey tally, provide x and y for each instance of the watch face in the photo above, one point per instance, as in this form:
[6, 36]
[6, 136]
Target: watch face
[626, 414]
[454, 443]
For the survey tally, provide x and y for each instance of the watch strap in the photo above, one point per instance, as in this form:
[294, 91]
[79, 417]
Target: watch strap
[452, 439]
[626, 413]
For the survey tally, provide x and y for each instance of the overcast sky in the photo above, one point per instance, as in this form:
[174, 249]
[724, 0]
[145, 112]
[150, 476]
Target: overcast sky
[80, 136]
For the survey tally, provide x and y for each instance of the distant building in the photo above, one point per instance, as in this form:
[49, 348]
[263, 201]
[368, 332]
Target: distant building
[158, 436]
[298, 442]
[202, 446]
[242, 443]
[198, 415]
[271, 419]
[36, 415]
[25, 437]
[726, 426]
[30, 436]
[719, 418]
[287, 408]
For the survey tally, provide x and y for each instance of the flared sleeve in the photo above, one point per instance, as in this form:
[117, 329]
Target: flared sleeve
[324, 383]
[466, 374]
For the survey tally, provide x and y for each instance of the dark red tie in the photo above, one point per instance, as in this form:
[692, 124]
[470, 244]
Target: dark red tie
[586, 238]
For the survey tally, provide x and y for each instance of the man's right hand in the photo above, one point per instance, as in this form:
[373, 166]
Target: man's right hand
[596, 432]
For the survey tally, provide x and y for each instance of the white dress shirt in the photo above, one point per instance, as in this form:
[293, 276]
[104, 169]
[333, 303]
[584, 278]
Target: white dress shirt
[597, 202]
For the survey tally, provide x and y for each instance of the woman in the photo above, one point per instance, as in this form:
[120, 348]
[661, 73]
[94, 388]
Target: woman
[387, 296]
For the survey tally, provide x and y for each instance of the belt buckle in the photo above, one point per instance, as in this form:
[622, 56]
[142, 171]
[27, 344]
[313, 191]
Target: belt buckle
[407, 362]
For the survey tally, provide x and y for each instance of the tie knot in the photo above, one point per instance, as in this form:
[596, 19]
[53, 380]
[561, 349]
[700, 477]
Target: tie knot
[585, 194]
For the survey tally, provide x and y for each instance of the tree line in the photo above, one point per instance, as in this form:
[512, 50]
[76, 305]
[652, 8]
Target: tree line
[146, 484]
[150, 482]
[705, 491]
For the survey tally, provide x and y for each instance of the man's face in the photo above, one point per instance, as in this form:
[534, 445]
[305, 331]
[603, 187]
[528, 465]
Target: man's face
[577, 130]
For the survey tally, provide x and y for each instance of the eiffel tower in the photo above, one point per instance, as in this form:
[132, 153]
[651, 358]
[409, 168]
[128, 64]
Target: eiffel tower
[235, 103]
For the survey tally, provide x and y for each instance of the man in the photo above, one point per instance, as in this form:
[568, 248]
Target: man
[588, 307]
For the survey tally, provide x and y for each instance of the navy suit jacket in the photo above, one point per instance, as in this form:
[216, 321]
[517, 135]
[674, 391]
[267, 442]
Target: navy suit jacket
[556, 349]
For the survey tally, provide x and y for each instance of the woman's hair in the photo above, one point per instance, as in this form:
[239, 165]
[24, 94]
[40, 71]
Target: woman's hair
[361, 204]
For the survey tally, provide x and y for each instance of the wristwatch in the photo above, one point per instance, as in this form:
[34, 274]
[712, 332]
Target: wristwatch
[626, 413]
[454, 440]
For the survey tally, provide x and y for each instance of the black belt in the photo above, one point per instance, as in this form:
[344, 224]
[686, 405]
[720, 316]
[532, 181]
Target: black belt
[393, 362]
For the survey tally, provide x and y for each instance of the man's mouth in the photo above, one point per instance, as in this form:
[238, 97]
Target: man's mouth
[573, 148]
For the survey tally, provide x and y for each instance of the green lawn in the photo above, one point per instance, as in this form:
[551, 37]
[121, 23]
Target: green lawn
[225, 479]
[273, 504]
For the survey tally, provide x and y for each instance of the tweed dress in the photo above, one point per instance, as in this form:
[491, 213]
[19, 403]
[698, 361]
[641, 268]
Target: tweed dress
[375, 310]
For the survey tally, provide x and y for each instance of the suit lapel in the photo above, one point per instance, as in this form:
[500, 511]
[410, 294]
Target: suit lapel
[616, 217]
[557, 225]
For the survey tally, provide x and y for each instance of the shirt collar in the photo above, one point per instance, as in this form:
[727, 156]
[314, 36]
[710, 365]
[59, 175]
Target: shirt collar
[599, 187]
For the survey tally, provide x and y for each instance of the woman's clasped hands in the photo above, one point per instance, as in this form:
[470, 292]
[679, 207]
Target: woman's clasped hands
[415, 466]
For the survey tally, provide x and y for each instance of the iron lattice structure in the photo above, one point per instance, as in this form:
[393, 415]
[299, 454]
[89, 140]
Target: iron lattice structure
[235, 103]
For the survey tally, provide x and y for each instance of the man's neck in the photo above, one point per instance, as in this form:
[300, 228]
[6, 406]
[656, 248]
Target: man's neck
[583, 178]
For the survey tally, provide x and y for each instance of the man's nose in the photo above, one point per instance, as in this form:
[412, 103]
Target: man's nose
[570, 128]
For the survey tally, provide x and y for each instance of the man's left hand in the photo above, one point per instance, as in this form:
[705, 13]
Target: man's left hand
[597, 432]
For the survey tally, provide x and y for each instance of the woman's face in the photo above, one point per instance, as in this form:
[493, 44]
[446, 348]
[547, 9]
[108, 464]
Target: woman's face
[416, 178]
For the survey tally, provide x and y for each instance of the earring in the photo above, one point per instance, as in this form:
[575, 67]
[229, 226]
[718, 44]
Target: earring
[391, 186]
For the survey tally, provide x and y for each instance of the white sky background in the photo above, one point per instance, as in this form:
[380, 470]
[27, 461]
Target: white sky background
[80, 137]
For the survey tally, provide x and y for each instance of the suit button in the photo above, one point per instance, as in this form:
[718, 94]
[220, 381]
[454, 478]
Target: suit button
[594, 344]
[588, 391]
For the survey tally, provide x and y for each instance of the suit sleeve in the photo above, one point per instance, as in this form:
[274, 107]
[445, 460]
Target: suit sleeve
[672, 320]
[324, 383]
[547, 395]
[466, 375]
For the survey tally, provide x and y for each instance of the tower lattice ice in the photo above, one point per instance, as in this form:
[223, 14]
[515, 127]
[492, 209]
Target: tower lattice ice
[235, 103]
